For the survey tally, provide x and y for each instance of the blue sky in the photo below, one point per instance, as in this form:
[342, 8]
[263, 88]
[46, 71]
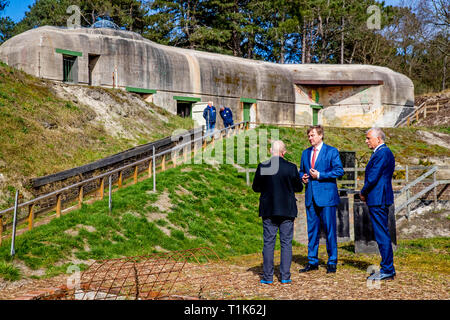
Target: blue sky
[17, 8]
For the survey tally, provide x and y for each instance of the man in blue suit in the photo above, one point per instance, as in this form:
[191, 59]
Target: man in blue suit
[320, 165]
[378, 195]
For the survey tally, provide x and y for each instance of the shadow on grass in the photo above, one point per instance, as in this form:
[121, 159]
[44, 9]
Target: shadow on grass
[358, 264]
[297, 259]
[348, 247]
[258, 270]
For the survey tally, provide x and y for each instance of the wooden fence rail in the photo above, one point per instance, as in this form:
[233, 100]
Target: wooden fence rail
[149, 164]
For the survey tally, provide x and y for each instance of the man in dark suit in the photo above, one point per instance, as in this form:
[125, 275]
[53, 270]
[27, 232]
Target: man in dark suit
[227, 116]
[378, 195]
[277, 180]
[209, 114]
[320, 165]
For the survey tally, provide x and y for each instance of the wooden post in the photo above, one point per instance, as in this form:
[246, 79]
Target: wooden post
[407, 121]
[80, 197]
[408, 207]
[212, 141]
[437, 107]
[163, 163]
[135, 175]
[425, 112]
[174, 159]
[58, 206]
[1, 229]
[119, 181]
[417, 116]
[102, 188]
[434, 191]
[30, 216]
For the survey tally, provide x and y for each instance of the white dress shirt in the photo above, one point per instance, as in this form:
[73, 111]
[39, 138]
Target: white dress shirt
[375, 150]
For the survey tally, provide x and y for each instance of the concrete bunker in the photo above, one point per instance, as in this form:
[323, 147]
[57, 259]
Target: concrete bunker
[182, 80]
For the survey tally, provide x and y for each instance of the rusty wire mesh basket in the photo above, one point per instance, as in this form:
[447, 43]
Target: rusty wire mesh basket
[186, 274]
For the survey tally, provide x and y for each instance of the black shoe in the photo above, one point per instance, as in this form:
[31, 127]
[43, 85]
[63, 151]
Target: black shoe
[309, 267]
[331, 268]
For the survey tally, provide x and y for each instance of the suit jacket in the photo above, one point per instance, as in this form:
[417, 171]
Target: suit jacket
[227, 115]
[324, 190]
[209, 114]
[378, 178]
[277, 189]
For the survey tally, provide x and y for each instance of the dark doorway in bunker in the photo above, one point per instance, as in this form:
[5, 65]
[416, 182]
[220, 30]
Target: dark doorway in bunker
[70, 69]
[184, 109]
[93, 58]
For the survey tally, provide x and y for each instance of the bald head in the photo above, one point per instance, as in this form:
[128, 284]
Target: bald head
[278, 148]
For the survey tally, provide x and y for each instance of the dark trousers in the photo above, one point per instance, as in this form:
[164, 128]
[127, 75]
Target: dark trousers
[325, 216]
[379, 218]
[271, 225]
[227, 124]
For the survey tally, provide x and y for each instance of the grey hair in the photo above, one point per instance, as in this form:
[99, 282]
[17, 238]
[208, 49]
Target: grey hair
[378, 133]
[278, 147]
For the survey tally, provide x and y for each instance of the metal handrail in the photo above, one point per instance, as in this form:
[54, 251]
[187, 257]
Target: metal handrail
[419, 179]
[405, 119]
[111, 172]
[421, 193]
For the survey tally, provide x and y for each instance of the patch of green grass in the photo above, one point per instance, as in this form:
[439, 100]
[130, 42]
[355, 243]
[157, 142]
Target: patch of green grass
[42, 134]
[218, 210]
[8, 271]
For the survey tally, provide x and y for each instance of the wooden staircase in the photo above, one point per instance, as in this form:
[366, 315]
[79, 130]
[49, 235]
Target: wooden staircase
[419, 112]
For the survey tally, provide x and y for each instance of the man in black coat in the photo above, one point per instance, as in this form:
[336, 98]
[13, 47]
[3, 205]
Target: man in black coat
[277, 179]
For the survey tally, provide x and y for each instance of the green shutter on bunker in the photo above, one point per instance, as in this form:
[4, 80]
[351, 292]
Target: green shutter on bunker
[69, 68]
[315, 110]
[69, 64]
[247, 106]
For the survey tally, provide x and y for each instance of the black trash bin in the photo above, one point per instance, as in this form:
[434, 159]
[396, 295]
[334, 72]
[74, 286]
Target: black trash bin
[364, 237]
[342, 220]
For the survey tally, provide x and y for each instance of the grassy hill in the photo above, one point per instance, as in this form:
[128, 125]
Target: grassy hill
[195, 205]
[42, 133]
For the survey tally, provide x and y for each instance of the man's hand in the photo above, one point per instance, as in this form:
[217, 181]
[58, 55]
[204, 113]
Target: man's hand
[305, 178]
[314, 173]
[362, 197]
